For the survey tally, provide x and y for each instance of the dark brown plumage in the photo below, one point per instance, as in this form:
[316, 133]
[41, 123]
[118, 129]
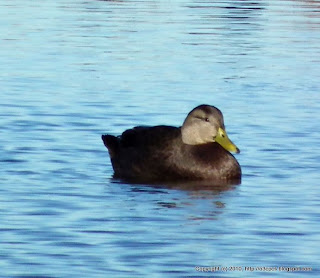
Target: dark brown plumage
[160, 153]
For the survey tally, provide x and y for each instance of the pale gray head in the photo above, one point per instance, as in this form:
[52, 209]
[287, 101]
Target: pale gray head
[204, 124]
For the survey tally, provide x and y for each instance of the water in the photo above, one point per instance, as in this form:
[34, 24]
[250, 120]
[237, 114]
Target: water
[72, 70]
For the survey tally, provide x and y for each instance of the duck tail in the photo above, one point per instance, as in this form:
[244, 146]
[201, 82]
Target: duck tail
[112, 144]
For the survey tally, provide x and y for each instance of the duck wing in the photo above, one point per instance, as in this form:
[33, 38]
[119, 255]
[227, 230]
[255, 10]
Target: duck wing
[142, 152]
[146, 137]
[141, 138]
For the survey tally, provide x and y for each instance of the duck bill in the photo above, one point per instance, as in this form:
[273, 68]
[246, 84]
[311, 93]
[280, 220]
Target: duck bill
[223, 139]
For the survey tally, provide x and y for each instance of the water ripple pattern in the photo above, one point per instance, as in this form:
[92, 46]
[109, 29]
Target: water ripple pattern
[73, 70]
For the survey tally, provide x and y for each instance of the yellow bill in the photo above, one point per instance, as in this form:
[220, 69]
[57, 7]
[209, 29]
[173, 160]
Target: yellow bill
[225, 142]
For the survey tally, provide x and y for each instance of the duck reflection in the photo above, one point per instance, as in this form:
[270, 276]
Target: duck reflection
[195, 187]
[200, 200]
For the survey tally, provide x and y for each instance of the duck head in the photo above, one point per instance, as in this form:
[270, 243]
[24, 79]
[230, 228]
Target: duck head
[204, 124]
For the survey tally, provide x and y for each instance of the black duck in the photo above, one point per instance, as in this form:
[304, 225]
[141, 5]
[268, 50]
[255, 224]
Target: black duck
[199, 150]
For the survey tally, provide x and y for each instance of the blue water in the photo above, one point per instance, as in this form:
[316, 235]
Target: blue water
[73, 70]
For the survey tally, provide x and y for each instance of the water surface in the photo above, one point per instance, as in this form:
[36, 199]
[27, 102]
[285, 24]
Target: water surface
[73, 70]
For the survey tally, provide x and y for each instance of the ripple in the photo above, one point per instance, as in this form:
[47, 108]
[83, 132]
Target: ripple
[74, 70]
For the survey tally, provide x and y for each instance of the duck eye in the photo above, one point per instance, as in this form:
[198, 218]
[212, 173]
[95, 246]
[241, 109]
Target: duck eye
[206, 119]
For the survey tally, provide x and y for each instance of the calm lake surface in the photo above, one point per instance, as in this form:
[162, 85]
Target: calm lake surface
[73, 70]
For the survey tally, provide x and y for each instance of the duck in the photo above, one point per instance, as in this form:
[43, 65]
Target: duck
[198, 150]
